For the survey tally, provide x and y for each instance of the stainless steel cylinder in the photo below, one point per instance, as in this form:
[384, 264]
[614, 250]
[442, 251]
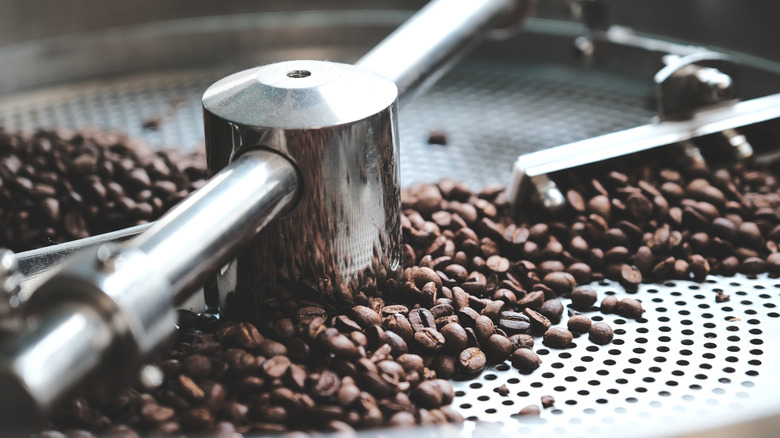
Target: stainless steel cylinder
[113, 305]
[338, 125]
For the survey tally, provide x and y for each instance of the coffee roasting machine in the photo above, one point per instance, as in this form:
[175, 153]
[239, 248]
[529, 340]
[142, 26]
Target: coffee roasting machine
[553, 87]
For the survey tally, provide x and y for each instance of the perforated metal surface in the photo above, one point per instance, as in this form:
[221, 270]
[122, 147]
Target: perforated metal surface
[690, 363]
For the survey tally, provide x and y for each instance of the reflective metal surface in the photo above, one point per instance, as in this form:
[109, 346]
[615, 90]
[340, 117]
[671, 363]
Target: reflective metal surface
[414, 60]
[531, 171]
[338, 125]
[112, 305]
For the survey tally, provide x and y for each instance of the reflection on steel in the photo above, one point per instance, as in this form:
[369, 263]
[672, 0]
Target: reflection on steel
[713, 120]
[690, 83]
[338, 125]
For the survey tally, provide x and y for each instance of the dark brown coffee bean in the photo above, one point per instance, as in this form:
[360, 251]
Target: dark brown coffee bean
[422, 276]
[306, 314]
[701, 190]
[552, 309]
[601, 206]
[630, 277]
[498, 348]
[561, 283]
[455, 336]
[277, 366]
[608, 304]
[524, 359]
[522, 340]
[581, 272]
[583, 297]
[532, 300]
[497, 264]
[393, 309]
[502, 390]
[638, 206]
[432, 394]
[575, 201]
[441, 310]
[601, 333]
[773, 263]
[484, 327]
[579, 324]
[197, 366]
[421, 318]
[365, 316]
[467, 316]
[399, 324]
[753, 266]
[539, 322]
[514, 322]
[339, 344]
[344, 324]
[557, 337]
[629, 308]
[548, 401]
[429, 339]
[269, 348]
[396, 343]
[472, 361]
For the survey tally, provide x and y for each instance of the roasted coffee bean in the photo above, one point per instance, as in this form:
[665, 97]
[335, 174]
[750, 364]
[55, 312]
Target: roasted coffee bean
[532, 300]
[467, 316]
[514, 322]
[629, 308]
[472, 360]
[608, 304]
[557, 337]
[561, 283]
[548, 401]
[432, 394]
[579, 324]
[522, 340]
[429, 339]
[421, 318]
[753, 265]
[583, 297]
[601, 333]
[553, 310]
[393, 309]
[365, 316]
[483, 327]
[581, 272]
[307, 314]
[400, 325]
[397, 344]
[539, 322]
[197, 366]
[524, 359]
[277, 366]
[498, 348]
[630, 277]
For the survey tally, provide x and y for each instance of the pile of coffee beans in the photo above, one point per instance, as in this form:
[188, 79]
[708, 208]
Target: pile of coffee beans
[478, 287]
[57, 186]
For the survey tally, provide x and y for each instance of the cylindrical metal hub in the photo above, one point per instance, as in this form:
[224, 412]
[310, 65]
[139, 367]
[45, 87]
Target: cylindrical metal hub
[338, 124]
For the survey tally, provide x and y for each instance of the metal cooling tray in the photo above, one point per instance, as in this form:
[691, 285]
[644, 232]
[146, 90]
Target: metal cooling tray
[689, 367]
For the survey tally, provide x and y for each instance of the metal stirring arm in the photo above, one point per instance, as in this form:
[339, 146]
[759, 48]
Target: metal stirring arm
[113, 304]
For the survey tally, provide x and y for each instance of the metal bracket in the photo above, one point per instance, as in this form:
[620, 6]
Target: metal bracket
[530, 168]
